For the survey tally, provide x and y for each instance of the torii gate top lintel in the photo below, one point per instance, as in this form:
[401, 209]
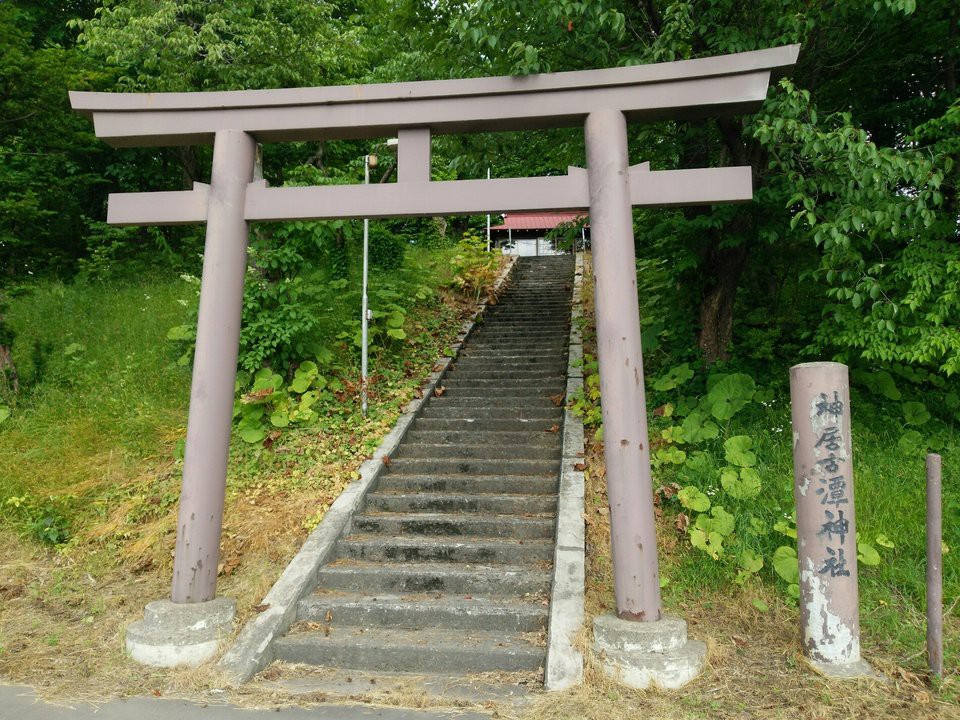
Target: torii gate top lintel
[414, 111]
[681, 89]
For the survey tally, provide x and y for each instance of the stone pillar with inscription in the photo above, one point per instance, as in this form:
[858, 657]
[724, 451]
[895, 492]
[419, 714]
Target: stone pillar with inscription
[826, 521]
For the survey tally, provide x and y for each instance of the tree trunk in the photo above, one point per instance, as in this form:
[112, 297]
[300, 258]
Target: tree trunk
[722, 269]
[8, 371]
[9, 379]
[189, 166]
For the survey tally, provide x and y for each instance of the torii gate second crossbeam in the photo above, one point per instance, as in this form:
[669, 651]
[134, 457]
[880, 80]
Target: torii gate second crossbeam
[602, 100]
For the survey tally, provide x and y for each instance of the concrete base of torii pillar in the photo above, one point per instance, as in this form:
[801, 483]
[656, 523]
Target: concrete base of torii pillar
[645, 654]
[172, 634]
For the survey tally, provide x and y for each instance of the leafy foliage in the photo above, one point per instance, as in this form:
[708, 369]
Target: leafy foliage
[48, 165]
[474, 269]
[219, 45]
[43, 520]
[732, 504]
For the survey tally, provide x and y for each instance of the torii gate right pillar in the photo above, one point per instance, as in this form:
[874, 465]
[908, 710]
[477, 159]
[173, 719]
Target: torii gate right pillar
[627, 448]
[637, 645]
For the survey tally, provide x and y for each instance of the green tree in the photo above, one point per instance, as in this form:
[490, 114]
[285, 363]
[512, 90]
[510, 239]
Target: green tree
[49, 167]
[222, 44]
[866, 142]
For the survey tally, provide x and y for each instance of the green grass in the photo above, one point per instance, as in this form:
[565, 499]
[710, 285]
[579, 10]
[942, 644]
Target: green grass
[99, 383]
[104, 401]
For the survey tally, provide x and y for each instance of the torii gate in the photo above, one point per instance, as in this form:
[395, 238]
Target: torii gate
[603, 100]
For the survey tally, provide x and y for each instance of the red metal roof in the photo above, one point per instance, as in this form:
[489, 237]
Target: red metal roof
[537, 220]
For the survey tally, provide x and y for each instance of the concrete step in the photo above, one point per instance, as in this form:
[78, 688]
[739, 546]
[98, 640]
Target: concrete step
[473, 398]
[462, 378]
[513, 331]
[528, 364]
[544, 292]
[483, 451]
[507, 389]
[518, 360]
[481, 466]
[504, 397]
[504, 358]
[398, 611]
[456, 525]
[434, 650]
[487, 424]
[529, 435]
[551, 304]
[432, 550]
[540, 325]
[544, 386]
[500, 349]
[555, 311]
[500, 504]
[475, 371]
[442, 578]
[527, 484]
[521, 342]
[542, 412]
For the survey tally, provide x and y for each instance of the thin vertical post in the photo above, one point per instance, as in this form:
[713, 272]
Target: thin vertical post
[826, 520]
[934, 565]
[364, 311]
[200, 517]
[488, 218]
[623, 400]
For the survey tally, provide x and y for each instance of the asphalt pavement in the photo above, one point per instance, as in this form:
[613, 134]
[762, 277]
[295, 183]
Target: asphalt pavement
[18, 702]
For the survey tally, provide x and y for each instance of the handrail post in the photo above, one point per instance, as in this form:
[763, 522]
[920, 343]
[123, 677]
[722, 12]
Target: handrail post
[934, 565]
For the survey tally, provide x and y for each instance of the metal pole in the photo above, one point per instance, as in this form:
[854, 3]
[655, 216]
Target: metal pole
[200, 515]
[364, 319]
[623, 400]
[826, 523]
[488, 218]
[934, 565]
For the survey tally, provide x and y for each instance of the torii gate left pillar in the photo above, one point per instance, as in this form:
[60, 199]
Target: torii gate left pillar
[212, 388]
[610, 187]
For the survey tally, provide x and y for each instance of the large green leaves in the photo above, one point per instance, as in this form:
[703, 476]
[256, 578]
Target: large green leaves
[728, 394]
[710, 531]
[737, 451]
[693, 499]
[785, 563]
[697, 427]
[915, 413]
[742, 484]
[673, 378]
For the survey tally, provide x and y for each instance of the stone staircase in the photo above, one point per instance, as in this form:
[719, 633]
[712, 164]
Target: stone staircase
[448, 569]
